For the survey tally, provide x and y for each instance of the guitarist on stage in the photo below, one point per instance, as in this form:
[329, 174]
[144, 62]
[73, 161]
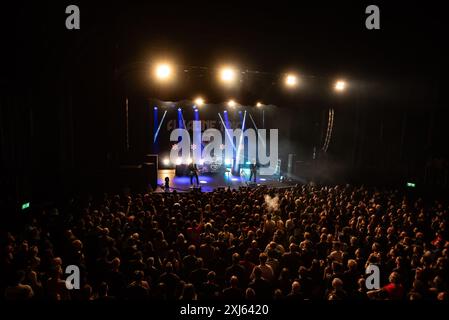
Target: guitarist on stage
[193, 172]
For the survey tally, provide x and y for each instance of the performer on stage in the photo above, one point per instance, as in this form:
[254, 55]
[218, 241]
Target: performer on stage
[167, 184]
[253, 170]
[193, 172]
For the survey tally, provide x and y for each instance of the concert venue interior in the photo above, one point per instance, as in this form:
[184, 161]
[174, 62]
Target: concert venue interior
[355, 207]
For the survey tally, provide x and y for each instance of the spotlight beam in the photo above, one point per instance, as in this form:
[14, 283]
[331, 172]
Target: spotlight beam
[224, 126]
[181, 116]
[183, 122]
[237, 158]
[258, 134]
[159, 128]
[155, 125]
[196, 114]
[226, 119]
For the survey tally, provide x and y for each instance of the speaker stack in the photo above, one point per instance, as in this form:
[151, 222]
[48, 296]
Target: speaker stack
[150, 168]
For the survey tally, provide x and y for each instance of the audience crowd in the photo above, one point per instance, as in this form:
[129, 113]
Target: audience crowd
[254, 244]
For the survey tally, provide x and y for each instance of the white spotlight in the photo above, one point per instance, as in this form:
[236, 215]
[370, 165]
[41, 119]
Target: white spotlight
[232, 104]
[291, 80]
[227, 75]
[340, 85]
[259, 104]
[199, 101]
[163, 71]
[166, 161]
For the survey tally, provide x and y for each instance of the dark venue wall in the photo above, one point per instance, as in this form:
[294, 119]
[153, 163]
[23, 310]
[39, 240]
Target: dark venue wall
[62, 115]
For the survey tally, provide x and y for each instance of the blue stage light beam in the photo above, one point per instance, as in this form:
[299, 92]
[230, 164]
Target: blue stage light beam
[155, 126]
[224, 125]
[237, 158]
[180, 120]
[226, 120]
[196, 114]
[159, 128]
[197, 153]
[257, 130]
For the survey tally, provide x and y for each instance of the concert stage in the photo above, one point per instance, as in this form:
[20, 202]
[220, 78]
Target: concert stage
[210, 182]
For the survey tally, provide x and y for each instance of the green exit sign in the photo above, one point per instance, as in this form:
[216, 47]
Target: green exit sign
[26, 205]
[411, 185]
